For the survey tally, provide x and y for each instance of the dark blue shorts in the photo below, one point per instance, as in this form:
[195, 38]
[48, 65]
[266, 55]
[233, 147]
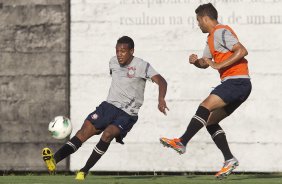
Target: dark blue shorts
[233, 92]
[107, 114]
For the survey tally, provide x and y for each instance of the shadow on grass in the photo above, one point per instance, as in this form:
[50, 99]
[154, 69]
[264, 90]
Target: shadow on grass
[254, 176]
[155, 177]
[234, 177]
[140, 177]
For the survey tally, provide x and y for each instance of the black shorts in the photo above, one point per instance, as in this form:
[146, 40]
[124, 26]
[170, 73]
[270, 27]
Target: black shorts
[107, 114]
[233, 92]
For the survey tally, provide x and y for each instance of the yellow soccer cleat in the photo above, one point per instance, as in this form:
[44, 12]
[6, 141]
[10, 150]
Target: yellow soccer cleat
[49, 160]
[80, 175]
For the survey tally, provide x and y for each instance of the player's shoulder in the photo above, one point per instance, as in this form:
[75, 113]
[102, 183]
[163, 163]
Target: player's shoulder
[113, 60]
[139, 61]
[223, 33]
[222, 29]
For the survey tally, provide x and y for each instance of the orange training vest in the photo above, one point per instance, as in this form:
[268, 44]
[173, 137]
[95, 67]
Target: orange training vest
[238, 68]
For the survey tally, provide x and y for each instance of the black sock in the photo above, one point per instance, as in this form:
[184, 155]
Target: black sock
[197, 122]
[97, 153]
[219, 138]
[70, 147]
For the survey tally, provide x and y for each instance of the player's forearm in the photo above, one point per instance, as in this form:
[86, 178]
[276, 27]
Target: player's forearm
[235, 57]
[162, 88]
[158, 79]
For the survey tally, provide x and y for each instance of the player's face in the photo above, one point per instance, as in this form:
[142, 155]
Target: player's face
[202, 23]
[124, 54]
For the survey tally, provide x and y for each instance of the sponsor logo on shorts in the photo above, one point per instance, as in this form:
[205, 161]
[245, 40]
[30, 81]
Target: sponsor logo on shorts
[94, 116]
[120, 126]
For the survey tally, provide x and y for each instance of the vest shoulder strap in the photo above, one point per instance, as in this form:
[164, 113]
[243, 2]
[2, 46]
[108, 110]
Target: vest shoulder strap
[211, 36]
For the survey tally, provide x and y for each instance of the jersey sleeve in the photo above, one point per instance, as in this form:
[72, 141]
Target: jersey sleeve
[147, 71]
[150, 72]
[207, 52]
[225, 38]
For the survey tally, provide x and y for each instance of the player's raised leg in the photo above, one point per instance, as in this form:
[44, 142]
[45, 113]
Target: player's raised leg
[87, 130]
[197, 122]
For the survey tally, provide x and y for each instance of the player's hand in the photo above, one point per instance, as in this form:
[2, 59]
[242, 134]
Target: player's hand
[214, 65]
[162, 106]
[193, 58]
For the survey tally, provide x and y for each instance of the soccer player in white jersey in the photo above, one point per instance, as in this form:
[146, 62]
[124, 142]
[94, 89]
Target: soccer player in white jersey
[114, 117]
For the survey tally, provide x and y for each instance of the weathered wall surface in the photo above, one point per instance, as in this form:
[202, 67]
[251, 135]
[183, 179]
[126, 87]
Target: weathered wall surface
[166, 33]
[34, 85]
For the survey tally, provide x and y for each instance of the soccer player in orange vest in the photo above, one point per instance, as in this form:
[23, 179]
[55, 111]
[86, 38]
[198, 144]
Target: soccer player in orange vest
[225, 54]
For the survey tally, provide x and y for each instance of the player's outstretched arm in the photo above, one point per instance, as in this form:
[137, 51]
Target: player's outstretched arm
[200, 63]
[158, 79]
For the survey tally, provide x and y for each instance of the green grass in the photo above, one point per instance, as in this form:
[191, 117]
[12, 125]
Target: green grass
[148, 179]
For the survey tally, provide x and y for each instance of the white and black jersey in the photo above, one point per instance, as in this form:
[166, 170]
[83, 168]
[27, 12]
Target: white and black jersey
[128, 84]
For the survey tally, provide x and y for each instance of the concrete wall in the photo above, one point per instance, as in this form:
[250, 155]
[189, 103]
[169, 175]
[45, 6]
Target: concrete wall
[166, 33]
[34, 82]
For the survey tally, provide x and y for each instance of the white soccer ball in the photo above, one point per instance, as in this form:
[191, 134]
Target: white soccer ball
[60, 127]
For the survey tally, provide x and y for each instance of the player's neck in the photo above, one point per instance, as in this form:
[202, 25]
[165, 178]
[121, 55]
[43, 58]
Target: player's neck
[212, 25]
[129, 61]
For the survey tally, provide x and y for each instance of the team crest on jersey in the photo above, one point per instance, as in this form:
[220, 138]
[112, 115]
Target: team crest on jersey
[94, 116]
[131, 72]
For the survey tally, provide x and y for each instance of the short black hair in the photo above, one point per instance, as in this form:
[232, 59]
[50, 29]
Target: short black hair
[207, 10]
[126, 40]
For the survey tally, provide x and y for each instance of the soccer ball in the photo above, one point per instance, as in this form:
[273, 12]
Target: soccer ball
[60, 127]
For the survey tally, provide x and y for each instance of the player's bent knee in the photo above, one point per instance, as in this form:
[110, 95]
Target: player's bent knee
[107, 136]
[84, 134]
[81, 136]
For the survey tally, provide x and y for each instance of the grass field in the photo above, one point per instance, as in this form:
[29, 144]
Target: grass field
[188, 179]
